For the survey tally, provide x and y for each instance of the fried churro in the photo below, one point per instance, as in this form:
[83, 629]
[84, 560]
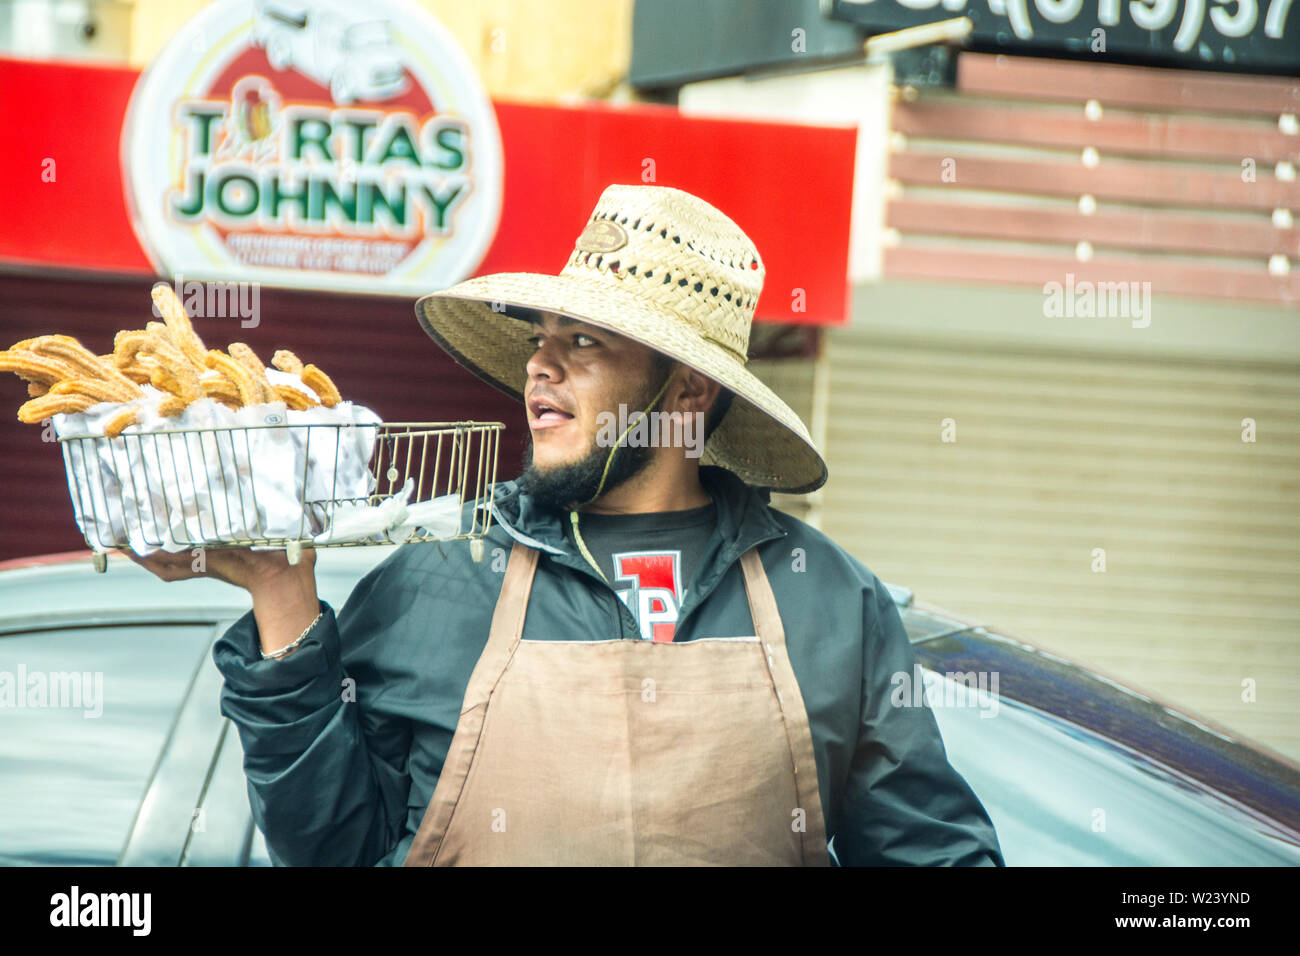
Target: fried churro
[286, 361]
[127, 345]
[293, 398]
[219, 388]
[69, 350]
[64, 376]
[171, 406]
[120, 421]
[246, 357]
[101, 390]
[250, 392]
[36, 410]
[173, 313]
[35, 368]
[174, 372]
[322, 385]
[141, 370]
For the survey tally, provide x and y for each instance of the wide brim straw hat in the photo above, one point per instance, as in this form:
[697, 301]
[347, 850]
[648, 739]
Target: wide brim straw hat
[664, 268]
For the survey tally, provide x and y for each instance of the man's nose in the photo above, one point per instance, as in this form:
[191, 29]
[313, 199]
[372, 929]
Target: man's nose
[546, 362]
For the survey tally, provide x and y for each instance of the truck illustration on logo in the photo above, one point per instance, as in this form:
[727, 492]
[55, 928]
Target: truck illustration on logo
[357, 58]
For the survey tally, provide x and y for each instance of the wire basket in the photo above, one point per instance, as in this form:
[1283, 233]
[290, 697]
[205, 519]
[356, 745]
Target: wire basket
[277, 485]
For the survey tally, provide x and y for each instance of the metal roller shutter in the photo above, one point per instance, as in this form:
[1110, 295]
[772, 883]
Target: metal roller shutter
[1064, 452]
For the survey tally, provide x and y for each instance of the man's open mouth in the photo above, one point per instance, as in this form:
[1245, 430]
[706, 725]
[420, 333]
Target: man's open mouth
[547, 412]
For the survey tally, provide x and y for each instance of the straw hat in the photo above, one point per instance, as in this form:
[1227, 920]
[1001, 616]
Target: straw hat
[665, 268]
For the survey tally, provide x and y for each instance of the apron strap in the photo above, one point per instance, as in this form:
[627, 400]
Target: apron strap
[762, 602]
[503, 638]
[767, 623]
[507, 625]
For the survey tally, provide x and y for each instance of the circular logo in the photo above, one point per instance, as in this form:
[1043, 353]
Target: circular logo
[320, 144]
[601, 235]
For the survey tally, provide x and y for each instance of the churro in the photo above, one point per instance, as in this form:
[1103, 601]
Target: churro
[116, 424]
[127, 345]
[293, 398]
[321, 384]
[36, 410]
[219, 388]
[250, 392]
[174, 372]
[159, 330]
[101, 390]
[246, 357]
[69, 350]
[141, 370]
[35, 368]
[286, 361]
[62, 375]
[173, 313]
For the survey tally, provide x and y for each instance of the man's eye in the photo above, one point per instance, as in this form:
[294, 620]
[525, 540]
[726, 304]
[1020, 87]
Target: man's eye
[583, 340]
[535, 341]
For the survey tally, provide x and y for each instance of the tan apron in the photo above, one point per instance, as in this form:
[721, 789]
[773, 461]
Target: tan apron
[627, 751]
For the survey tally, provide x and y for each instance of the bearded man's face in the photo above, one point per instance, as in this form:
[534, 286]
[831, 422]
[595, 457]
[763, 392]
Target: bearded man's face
[577, 372]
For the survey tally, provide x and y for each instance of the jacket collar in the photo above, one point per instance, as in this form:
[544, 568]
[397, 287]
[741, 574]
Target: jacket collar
[744, 520]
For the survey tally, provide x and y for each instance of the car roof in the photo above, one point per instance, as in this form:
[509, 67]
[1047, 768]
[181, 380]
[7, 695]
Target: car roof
[56, 590]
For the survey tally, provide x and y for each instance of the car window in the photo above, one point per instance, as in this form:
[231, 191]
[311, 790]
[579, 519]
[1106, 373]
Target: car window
[84, 714]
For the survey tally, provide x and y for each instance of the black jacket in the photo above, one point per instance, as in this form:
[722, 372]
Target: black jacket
[345, 738]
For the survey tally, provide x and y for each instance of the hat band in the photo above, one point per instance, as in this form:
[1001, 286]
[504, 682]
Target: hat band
[740, 356]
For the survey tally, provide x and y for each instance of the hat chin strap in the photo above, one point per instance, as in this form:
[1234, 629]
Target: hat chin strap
[609, 460]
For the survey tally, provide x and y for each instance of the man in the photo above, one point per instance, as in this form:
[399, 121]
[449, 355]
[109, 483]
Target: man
[667, 672]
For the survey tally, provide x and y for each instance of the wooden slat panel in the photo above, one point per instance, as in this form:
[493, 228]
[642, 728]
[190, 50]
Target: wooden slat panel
[1114, 85]
[1121, 181]
[1119, 133]
[957, 264]
[1119, 228]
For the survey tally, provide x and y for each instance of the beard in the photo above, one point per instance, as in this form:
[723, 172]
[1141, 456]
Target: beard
[566, 486]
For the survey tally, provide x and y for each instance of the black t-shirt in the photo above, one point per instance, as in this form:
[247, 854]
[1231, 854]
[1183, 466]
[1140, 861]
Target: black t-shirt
[649, 559]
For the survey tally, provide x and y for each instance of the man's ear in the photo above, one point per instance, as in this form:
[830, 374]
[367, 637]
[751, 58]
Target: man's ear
[696, 390]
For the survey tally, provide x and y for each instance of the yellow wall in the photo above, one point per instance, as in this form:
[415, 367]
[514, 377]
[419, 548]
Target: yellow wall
[523, 49]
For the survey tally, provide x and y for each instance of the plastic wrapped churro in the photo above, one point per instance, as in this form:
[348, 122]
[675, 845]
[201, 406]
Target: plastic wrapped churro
[171, 444]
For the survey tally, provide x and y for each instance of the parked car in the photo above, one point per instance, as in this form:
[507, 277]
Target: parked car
[1073, 766]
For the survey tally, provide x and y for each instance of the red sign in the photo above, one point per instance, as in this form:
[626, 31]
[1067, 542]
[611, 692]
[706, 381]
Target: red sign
[788, 186]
